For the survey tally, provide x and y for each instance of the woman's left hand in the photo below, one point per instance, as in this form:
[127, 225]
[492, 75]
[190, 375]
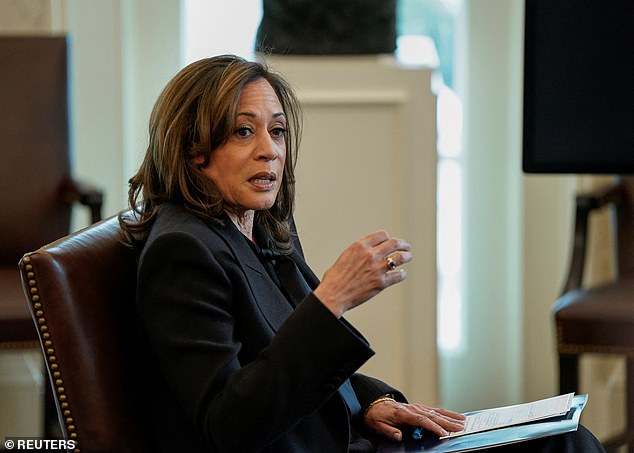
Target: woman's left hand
[387, 416]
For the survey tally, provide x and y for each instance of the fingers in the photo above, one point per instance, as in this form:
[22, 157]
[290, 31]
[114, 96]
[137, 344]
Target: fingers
[362, 271]
[388, 256]
[451, 414]
[385, 418]
[398, 258]
[447, 420]
[388, 431]
[393, 277]
[442, 424]
[386, 252]
[376, 238]
[430, 420]
[383, 244]
[447, 414]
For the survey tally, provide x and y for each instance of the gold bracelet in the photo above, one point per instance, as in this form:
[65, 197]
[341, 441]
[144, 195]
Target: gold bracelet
[377, 401]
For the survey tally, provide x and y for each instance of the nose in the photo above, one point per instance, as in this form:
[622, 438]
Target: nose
[266, 148]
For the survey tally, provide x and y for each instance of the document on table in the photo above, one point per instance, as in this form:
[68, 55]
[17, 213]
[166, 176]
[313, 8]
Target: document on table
[501, 417]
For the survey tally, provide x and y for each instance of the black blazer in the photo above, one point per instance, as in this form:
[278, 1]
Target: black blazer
[229, 366]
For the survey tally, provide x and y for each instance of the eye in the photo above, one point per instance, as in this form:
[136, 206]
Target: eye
[243, 131]
[278, 132]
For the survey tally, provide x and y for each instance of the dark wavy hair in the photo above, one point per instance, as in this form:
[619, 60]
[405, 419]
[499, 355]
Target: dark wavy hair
[194, 115]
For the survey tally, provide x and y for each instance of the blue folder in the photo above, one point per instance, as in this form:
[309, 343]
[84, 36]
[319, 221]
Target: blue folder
[504, 436]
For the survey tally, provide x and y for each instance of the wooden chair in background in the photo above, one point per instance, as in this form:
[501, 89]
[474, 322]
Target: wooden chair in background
[600, 319]
[37, 190]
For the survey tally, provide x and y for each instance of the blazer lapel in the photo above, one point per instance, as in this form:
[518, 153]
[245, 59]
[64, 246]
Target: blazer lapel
[306, 271]
[267, 296]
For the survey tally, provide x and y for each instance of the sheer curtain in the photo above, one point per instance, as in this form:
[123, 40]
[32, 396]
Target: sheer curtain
[480, 204]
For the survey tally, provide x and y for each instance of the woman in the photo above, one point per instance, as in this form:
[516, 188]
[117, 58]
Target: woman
[247, 349]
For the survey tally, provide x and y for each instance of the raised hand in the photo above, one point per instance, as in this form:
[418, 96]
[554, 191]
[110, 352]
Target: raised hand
[364, 269]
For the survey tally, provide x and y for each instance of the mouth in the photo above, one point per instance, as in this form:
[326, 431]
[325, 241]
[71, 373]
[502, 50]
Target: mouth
[264, 180]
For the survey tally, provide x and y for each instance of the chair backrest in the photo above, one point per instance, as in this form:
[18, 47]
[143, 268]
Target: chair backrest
[81, 292]
[625, 228]
[34, 145]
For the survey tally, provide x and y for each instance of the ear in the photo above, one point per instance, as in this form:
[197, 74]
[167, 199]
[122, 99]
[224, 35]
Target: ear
[199, 160]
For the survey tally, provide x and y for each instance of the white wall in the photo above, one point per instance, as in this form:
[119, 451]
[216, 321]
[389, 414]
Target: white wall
[122, 54]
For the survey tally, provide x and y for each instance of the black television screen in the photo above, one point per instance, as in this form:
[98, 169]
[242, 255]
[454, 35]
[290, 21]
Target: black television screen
[579, 86]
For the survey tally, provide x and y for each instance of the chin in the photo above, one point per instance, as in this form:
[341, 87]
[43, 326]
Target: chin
[263, 205]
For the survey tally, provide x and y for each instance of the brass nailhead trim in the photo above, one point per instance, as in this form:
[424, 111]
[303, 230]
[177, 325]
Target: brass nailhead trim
[49, 352]
[19, 344]
[565, 348]
[583, 348]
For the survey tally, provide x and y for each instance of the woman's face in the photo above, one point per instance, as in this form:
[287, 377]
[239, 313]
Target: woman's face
[248, 168]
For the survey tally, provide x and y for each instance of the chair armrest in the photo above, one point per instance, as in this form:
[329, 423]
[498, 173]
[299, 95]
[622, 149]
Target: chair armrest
[600, 197]
[585, 203]
[86, 194]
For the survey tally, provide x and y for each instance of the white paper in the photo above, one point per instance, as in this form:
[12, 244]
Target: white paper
[500, 417]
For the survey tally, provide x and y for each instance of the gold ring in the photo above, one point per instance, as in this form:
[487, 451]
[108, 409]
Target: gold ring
[391, 264]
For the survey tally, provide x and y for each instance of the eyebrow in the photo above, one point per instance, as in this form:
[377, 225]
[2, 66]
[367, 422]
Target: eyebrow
[253, 115]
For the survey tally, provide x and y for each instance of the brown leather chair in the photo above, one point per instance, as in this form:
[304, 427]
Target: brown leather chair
[81, 291]
[36, 187]
[600, 319]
